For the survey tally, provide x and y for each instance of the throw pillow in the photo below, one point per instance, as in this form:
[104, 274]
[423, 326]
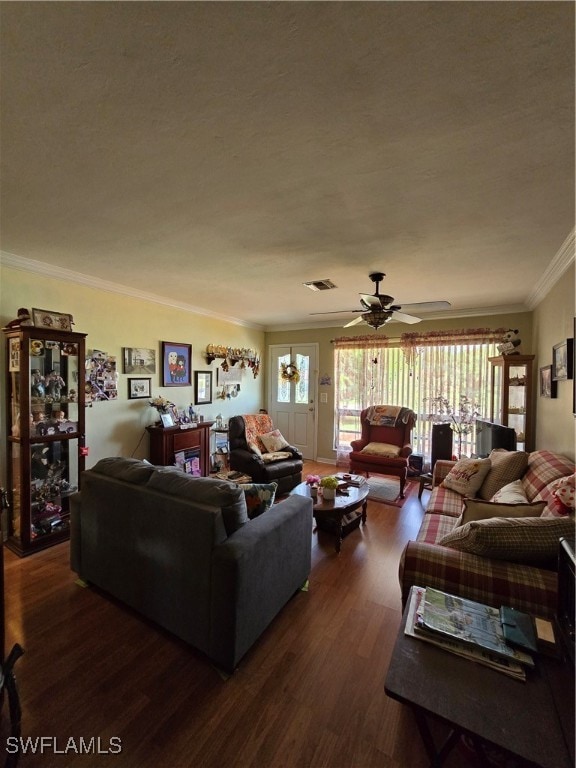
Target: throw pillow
[528, 540]
[513, 493]
[506, 466]
[259, 497]
[564, 491]
[466, 476]
[382, 449]
[478, 509]
[274, 441]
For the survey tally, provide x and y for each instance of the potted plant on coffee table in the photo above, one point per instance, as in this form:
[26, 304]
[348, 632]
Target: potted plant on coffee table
[329, 485]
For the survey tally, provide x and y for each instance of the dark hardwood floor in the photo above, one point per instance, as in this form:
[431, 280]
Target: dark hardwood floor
[310, 693]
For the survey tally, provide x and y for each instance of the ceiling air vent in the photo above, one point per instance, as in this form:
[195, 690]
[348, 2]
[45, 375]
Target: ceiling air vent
[320, 285]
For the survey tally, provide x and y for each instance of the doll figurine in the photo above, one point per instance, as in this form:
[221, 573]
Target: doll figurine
[55, 383]
[37, 383]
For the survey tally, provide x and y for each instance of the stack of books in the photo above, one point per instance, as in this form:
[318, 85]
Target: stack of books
[464, 627]
[354, 480]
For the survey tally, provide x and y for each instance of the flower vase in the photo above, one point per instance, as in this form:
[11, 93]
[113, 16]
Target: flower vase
[329, 494]
[314, 492]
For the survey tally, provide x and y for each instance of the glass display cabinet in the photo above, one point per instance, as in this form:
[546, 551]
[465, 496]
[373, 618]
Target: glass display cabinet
[511, 402]
[45, 433]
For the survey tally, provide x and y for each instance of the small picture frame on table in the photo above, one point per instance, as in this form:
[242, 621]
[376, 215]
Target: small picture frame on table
[202, 387]
[562, 360]
[166, 419]
[176, 364]
[548, 386]
[139, 388]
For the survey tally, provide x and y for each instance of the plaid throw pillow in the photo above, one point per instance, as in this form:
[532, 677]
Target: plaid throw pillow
[506, 466]
[528, 540]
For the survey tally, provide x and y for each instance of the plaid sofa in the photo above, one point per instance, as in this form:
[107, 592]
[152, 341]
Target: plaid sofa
[426, 563]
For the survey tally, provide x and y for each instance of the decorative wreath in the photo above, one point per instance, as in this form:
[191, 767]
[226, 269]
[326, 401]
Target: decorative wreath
[289, 372]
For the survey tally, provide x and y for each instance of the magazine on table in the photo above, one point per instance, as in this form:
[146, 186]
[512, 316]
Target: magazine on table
[468, 651]
[468, 622]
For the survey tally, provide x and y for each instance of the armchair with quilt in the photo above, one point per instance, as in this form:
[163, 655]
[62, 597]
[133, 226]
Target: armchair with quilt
[259, 450]
[384, 446]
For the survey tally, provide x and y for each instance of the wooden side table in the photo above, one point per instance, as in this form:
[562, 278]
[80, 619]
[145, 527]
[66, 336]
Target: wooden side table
[425, 482]
[489, 707]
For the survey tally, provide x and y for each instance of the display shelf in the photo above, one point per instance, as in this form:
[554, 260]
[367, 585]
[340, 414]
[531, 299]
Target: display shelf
[511, 401]
[169, 445]
[45, 433]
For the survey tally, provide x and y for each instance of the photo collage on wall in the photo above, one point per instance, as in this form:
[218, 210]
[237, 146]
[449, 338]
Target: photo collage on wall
[101, 380]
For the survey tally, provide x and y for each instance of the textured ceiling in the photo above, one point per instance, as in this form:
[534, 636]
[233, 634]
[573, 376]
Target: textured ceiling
[221, 154]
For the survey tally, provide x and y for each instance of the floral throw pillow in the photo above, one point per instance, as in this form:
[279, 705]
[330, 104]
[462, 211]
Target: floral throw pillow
[467, 475]
[259, 497]
[274, 441]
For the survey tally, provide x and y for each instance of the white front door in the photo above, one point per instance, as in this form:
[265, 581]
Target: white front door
[292, 404]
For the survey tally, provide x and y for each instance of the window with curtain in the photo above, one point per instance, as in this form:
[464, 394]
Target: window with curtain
[413, 371]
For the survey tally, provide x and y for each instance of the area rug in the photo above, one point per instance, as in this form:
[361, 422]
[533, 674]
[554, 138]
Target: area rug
[386, 490]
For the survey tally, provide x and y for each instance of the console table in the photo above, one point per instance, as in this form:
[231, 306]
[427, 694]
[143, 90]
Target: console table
[534, 720]
[166, 441]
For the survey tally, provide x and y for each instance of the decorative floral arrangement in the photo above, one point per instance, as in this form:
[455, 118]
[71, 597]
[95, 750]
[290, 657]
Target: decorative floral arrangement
[289, 372]
[329, 482]
[461, 419]
[312, 479]
[161, 404]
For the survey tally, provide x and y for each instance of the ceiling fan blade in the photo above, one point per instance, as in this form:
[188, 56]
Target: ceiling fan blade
[404, 318]
[427, 306]
[370, 301]
[354, 322]
[337, 311]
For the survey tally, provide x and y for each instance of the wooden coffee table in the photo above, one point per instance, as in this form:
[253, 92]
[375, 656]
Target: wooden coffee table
[340, 515]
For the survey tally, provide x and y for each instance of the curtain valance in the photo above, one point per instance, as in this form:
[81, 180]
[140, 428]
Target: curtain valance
[374, 341]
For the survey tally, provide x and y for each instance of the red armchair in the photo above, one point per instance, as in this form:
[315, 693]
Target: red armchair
[384, 447]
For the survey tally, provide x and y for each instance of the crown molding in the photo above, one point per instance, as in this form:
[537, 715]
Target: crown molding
[59, 273]
[559, 264]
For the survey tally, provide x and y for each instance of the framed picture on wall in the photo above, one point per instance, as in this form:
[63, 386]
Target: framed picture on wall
[176, 364]
[138, 388]
[202, 387]
[547, 383]
[562, 360]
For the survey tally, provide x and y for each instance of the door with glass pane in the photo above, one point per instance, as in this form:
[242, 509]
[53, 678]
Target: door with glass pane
[292, 383]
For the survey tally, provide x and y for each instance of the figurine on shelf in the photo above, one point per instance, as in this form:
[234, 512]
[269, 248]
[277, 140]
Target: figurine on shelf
[37, 383]
[22, 319]
[55, 384]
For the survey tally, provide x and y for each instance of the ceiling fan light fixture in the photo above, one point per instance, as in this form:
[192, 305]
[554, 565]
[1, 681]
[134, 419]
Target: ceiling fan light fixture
[377, 318]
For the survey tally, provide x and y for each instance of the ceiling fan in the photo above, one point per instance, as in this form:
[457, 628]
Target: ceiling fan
[378, 309]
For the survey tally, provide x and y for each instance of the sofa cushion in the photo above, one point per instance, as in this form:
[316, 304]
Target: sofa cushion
[274, 441]
[444, 501]
[259, 497]
[506, 466]
[478, 509]
[543, 468]
[529, 540]
[435, 527]
[204, 490]
[467, 475]
[121, 468]
[386, 450]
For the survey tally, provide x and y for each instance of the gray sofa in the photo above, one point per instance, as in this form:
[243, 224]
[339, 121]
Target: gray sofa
[182, 551]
